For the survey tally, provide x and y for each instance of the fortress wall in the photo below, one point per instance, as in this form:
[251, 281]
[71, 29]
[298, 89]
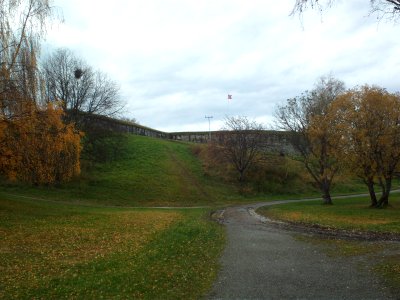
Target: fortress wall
[195, 137]
[274, 141]
[125, 127]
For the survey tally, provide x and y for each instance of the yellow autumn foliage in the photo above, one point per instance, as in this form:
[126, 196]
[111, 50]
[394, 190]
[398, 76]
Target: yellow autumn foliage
[37, 147]
[369, 133]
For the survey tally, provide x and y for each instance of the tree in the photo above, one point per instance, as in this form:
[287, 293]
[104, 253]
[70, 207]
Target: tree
[22, 25]
[312, 131]
[384, 8]
[35, 145]
[39, 148]
[85, 92]
[241, 141]
[370, 136]
[82, 90]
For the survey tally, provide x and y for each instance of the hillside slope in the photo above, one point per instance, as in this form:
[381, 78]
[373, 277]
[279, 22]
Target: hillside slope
[156, 172]
[152, 172]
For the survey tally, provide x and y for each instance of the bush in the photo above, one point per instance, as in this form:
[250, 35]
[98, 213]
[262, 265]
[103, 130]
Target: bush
[37, 147]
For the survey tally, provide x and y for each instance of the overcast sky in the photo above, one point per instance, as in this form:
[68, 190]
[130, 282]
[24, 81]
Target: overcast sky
[177, 60]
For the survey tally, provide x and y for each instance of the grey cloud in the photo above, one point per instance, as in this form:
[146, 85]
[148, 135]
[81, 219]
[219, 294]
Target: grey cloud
[252, 50]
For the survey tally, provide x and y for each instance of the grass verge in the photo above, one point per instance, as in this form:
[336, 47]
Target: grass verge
[349, 214]
[54, 251]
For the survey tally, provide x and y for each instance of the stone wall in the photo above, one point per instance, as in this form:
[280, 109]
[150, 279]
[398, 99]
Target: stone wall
[124, 126]
[195, 137]
[278, 141]
[275, 141]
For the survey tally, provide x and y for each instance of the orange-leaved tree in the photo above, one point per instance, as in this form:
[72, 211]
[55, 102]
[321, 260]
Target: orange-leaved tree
[370, 136]
[35, 145]
[38, 147]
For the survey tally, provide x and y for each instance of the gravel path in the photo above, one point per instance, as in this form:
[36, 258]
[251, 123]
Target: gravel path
[264, 262]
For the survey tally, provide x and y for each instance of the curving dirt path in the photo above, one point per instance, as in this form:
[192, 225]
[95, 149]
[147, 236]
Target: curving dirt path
[262, 261]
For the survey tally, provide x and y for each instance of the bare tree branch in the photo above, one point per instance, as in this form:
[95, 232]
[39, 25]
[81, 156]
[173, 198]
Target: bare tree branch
[22, 25]
[241, 140]
[93, 92]
[382, 8]
[306, 118]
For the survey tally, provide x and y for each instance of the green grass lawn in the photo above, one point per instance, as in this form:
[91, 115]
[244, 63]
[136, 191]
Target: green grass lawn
[153, 172]
[55, 251]
[350, 213]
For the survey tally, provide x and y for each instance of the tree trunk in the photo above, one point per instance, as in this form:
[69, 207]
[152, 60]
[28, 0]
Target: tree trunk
[326, 195]
[384, 200]
[241, 173]
[371, 190]
[327, 198]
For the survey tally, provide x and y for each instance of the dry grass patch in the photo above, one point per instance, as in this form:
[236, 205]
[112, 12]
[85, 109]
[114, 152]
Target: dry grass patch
[54, 251]
[36, 246]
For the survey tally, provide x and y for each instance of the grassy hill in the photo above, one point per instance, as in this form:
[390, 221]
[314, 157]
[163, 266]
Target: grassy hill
[151, 172]
[155, 172]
